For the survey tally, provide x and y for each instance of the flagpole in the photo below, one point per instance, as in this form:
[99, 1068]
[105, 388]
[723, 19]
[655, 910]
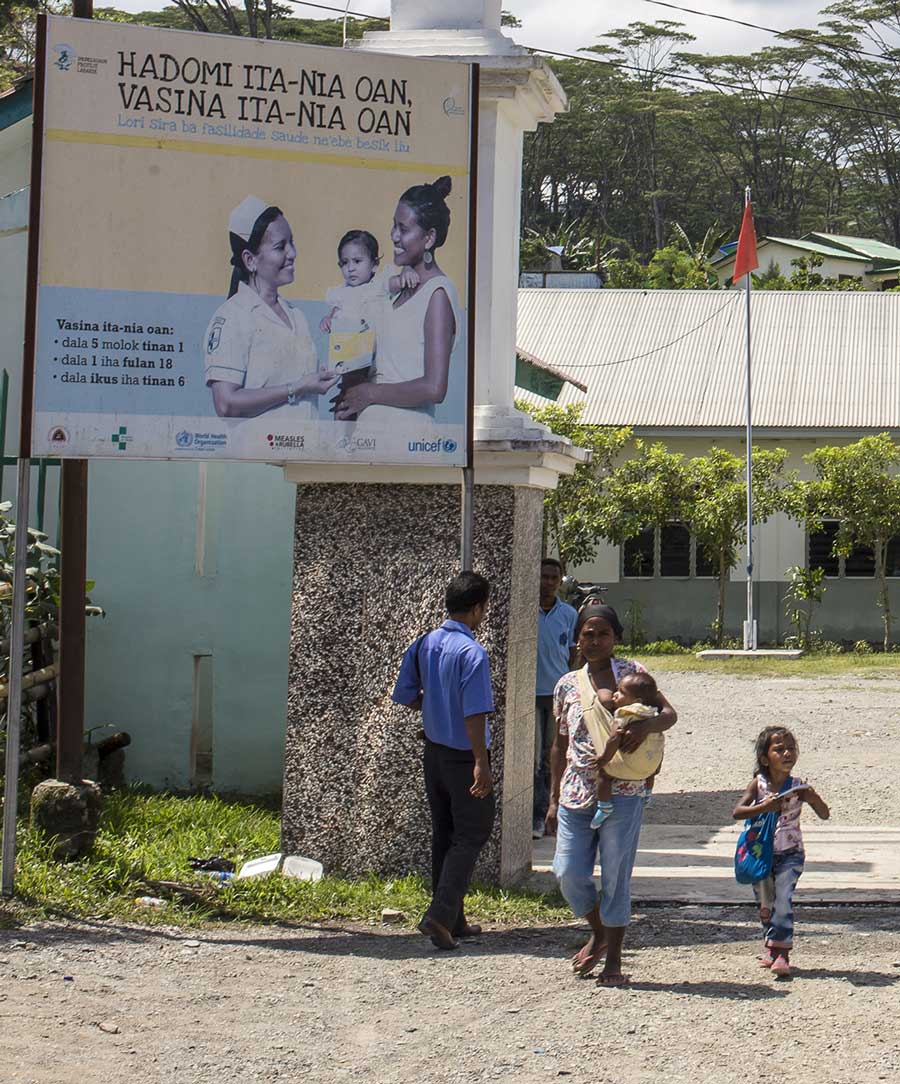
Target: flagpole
[750, 641]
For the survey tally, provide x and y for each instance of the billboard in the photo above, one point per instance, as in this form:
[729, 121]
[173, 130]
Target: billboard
[250, 250]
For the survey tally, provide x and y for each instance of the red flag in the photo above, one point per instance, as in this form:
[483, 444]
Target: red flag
[746, 259]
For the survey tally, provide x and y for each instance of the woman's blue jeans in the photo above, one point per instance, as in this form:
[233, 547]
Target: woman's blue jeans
[615, 843]
[776, 894]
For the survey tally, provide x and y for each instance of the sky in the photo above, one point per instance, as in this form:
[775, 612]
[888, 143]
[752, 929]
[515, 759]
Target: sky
[587, 20]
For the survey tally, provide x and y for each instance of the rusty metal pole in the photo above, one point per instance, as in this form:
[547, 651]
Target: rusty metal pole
[73, 574]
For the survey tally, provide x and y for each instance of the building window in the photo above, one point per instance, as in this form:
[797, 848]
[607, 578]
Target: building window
[674, 550]
[820, 553]
[667, 552]
[860, 564]
[639, 554]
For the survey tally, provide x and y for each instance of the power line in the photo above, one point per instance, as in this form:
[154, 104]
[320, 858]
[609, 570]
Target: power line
[342, 11]
[715, 83]
[665, 346]
[718, 83]
[798, 35]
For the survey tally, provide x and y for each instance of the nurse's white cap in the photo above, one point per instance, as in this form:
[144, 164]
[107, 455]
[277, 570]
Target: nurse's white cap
[243, 218]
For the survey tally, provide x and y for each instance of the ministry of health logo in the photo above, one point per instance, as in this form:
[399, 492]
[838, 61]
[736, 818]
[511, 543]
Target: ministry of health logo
[120, 438]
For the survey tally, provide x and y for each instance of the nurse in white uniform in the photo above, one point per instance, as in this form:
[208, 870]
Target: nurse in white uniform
[417, 333]
[260, 355]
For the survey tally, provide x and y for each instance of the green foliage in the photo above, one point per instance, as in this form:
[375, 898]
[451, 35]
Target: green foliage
[857, 484]
[648, 489]
[862, 647]
[805, 276]
[662, 647]
[639, 151]
[151, 836]
[805, 588]
[717, 511]
[574, 511]
[575, 251]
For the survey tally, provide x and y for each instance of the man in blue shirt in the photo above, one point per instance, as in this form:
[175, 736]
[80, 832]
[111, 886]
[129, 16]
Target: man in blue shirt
[446, 675]
[556, 656]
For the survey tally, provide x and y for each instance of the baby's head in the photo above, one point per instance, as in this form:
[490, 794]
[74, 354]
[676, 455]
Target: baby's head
[635, 689]
[358, 257]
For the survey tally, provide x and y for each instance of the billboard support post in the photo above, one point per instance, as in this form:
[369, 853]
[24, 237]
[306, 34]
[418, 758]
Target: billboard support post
[73, 571]
[468, 475]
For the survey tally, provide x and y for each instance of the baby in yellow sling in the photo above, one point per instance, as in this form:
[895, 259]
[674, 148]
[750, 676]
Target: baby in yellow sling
[603, 711]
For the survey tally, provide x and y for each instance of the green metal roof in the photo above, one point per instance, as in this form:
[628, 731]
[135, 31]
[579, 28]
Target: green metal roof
[864, 246]
[15, 104]
[820, 247]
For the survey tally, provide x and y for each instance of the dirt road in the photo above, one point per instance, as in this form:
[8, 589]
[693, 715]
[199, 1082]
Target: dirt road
[104, 1004]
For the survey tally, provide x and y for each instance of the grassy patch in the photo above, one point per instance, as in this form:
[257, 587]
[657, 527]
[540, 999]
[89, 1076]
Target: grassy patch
[150, 837]
[807, 666]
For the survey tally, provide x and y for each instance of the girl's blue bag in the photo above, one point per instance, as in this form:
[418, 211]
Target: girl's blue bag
[755, 849]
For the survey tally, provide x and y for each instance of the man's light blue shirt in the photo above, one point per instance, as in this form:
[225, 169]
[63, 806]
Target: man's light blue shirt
[556, 637]
[451, 670]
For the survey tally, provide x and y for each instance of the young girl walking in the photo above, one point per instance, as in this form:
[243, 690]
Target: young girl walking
[776, 756]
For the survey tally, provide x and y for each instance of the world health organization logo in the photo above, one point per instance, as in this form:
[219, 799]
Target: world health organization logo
[184, 439]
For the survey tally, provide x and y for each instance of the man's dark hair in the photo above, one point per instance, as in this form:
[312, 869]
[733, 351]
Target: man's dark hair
[640, 685]
[465, 592]
[552, 561]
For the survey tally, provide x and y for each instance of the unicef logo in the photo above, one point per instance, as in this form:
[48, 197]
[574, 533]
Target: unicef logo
[184, 439]
[449, 445]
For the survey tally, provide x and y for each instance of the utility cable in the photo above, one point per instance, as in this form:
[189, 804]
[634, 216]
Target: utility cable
[342, 11]
[798, 35]
[715, 83]
[656, 349]
[719, 83]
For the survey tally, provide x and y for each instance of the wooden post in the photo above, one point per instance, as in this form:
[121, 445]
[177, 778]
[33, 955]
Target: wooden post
[73, 573]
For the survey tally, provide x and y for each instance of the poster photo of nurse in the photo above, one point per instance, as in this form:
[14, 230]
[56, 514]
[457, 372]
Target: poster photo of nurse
[259, 354]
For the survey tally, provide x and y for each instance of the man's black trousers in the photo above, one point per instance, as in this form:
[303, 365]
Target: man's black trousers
[460, 826]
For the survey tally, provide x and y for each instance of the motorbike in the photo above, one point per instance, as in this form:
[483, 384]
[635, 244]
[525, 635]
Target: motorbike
[579, 594]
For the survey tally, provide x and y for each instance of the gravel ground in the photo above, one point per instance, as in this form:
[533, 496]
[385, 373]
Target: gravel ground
[848, 731]
[104, 1003]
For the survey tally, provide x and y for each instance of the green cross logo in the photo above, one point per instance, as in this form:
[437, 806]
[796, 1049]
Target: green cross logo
[121, 439]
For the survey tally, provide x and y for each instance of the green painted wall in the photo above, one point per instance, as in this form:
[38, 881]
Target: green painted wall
[143, 554]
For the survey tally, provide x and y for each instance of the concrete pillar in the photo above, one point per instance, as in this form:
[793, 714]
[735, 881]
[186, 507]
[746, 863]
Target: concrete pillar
[370, 564]
[375, 546]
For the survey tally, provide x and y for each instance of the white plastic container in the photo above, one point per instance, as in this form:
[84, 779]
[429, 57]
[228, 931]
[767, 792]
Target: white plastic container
[260, 867]
[304, 869]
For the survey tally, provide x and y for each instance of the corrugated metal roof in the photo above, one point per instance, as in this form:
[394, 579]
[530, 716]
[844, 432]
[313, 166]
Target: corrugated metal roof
[864, 245]
[676, 358]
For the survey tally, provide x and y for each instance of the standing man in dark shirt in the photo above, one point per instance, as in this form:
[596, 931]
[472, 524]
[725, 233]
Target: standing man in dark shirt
[556, 656]
[446, 674]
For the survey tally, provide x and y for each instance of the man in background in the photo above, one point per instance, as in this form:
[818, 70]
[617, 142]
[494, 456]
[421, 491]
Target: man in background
[555, 657]
[446, 674]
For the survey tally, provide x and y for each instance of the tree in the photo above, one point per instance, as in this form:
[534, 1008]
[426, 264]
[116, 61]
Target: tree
[858, 485]
[650, 489]
[805, 588]
[716, 511]
[573, 512]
